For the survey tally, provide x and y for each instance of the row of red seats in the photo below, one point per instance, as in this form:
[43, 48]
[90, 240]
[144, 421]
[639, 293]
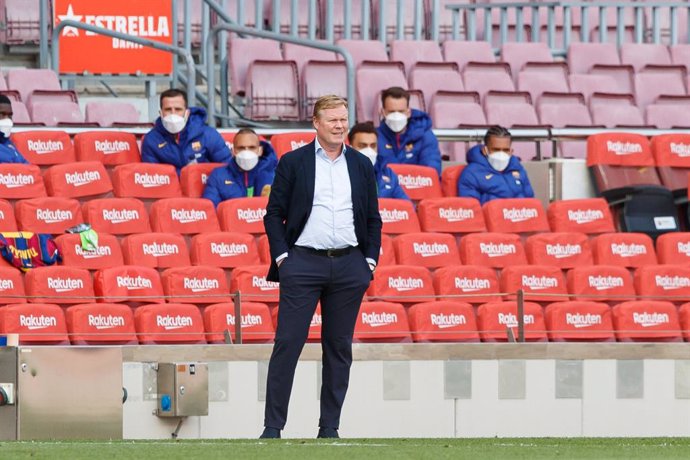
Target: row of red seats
[108, 323]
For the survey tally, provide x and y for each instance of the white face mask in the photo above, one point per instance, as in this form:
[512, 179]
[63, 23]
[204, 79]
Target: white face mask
[174, 123]
[246, 159]
[6, 126]
[499, 160]
[396, 121]
[369, 153]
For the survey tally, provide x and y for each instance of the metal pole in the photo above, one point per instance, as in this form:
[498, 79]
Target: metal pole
[382, 21]
[175, 40]
[237, 301]
[418, 19]
[329, 21]
[366, 20]
[436, 6]
[311, 27]
[188, 26]
[347, 19]
[294, 22]
[521, 315]
[43, 34]
[222, 59]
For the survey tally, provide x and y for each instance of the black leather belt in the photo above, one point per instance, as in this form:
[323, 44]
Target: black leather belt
[328, 252]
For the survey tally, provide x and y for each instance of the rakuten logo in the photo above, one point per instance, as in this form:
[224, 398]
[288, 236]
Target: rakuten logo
[603, 283]
[430, 250]
[105, 322]
[160, 249]
[16, 180]
[52, 216]
[44, 147]
[445, 321]
[6, 285]
[297, 144]
[316, 320]
[201, 284]
[472, 284]
[120, 216]
[229, 250]
[248, 320]
[578, 320]
[111, 147]
[684, 248]
[405, 284]
[186, 216]
[520, 215]
[455, 215]
[510, 319]
[33, 322]
[151, 180]
[379, 319]
[671, 282]
[497, 250]
[394, 215]
[79, 179]
[251, 216]
[537, 283]
[414, 182]
[99, 251]
[132, 283]
[650, 319]
[561, 251]
[682, 150]
[173, 322]
[628, 250]
[261, 283]
[623, 148]
[65, 285]
[585, 216]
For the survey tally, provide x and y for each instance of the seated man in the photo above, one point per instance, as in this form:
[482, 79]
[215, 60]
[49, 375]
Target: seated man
[248, 173]
[181, 135]
[362, 137]
[405, 134]
[492, 170]
[8, 151]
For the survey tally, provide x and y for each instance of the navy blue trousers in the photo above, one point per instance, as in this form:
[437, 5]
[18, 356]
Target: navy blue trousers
[339, 283]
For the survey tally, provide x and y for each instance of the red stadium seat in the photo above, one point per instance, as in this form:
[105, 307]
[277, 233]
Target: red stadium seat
[430, 250]
[128, 283]
[11, 286]
[146, 181]
[156, 250]
[645, 321]
[398, 216]
[382, 322]
[47, 215]
[630, 250]
[44, 148]
[183, 284]
[107, 254]
[78, 180]
[119, 216]
[495, 250]
[562, 250]
[108, 147]
[184, 215]
[451, 215]
[404, 282]
[59, 284]
[449, 179]
[8, 221]
[284, 143]
[244, 215]
[19, 181]
[601, 283]
[36, 324]
[467, 280]
[169, 323]
[224, 249]
[674, 248]
[590, 216]
[515, 215]
[540, 283]
[660, 281]
[419, 182]
[251, 282]
[672, 157]
[387, 251]
[495, 318]
[256, 323]
[684, 318]
[101, 324]
[443, 321]
[577, 321]
[193, 178]
[314, 334]
[265, 250]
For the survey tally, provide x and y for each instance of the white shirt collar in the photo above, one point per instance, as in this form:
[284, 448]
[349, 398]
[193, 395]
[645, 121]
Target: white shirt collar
[320, 151]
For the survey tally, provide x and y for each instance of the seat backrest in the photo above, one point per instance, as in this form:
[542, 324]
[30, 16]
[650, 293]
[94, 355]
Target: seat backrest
[540, 283]
[537, 83]
[169, 323]
[451, 215]
[443, 321]
[606, 282]
[364, 50]
[251, 280]
[550, 109]
[109, 147]
[582, 56]
[193, 178]
[45, 147]
[435, 77]
[673, 248]
[666, 116]
[372, 80]
[286, 142]
[27, 81]
[244, 214]
[563, 250]
[409, 52]
[589, 84]
[8, 221]
[579, 321]
[425, 249]
[398, 216]
[77, 180]
[319, 78]
[382, 322]
[118, 216]
[19, 181]
[256, 322]
[418, 181]
[47, 215]
[672, 157]
[660, 281]
[128, 283]
[646, 320]
[183, 215]
[241, 53]
[485, 77]
[12, 286]
[274, 90]
[588, 215]
[641, 54]
[494, 318]
[386, 253]
[224, 249]
[106, 254]
[631, 250]
[56, 113]
[156, 250]
[467, 280]
[101, 324]
[146, 180]
[302, 54]
[518, 54]
[449, 179]
[407, 283]
[515, 215]
[496, 250]
[615, 110]
[36, 324]
[463, 52]
[59, 284]
[107, 113]
[197, 285]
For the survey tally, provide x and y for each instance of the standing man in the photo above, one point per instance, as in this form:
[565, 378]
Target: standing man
[324, 231]
[405, 134]
[8, 151]
[181, 135]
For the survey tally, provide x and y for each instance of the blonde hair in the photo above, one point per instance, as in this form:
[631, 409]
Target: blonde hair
[330, 101]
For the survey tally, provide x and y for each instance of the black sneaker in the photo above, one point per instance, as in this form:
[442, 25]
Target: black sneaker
[271, 433]
[327, 433]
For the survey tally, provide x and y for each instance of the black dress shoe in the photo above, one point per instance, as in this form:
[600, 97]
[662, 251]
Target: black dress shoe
[325, 432]
[271, 433]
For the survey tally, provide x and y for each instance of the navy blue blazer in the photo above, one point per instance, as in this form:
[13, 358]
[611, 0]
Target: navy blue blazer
[292, 196]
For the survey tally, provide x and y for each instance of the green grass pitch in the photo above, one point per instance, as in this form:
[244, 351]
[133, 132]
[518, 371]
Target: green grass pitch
[349, 449]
